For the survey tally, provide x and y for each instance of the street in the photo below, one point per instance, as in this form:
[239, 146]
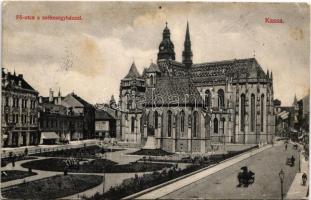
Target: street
[223, 184]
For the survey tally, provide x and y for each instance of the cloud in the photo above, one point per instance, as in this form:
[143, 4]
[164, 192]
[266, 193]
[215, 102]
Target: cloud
[92, 56]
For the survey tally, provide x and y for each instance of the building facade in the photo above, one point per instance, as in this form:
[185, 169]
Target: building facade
[187, 107]
[59, 123]
[78, 116]
[105, 123]
[19, 111]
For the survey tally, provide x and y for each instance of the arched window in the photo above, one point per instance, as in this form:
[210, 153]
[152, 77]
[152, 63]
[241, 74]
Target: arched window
[162, 124]
[215, 125]
[182, 122]
[195, 123]
[221, 99]
[252, 112]
[169, 123]
[207, 98]
[142, 123]
[129, 102]
[207, 126]
[133, 124]
[242, 106]
[151, 80]
[156, 120]
[262, 111]
[222, 125]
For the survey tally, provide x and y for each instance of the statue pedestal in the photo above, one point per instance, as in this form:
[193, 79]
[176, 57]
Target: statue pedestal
[151, 143]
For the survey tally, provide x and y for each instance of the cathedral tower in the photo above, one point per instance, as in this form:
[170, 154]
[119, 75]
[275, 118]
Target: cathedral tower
[166, 47]
[187, 53]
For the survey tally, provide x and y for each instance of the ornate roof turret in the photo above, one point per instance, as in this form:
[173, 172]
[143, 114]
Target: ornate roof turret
[268, 74]
[166, 47]
[133, 72]
[153, 68]
[112, 101]
[187, 53]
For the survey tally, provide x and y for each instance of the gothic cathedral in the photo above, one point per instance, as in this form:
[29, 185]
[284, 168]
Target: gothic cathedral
[187, 107]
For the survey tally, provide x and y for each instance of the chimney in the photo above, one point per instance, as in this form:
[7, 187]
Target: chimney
[6, 79]
[51, 97]
[59, 97]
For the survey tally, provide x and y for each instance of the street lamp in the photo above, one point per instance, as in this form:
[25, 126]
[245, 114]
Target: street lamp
[281, 175]
[299, 150]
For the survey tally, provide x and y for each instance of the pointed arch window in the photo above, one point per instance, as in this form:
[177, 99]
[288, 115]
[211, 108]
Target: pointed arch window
[151, 80]
[182, 122]
[169, 123]
[195, 123]
[221, 99]
[222, 125]
[252, 112]
[215, 125]
[242, 106]
[132, 124]
[142, 123]
[262, 111]
[207, 126]
[207, 98]
[156, 115]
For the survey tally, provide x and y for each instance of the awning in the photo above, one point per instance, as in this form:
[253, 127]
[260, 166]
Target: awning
[293, 130]
[283, 115]
[49, 135]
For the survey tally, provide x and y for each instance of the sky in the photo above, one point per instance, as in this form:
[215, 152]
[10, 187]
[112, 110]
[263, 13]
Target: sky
[91, 56]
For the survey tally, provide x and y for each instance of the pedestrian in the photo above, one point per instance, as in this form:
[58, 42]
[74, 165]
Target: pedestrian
[26, 152]
[285, 147]
[304, 179]
[293, 160]
[13, 160]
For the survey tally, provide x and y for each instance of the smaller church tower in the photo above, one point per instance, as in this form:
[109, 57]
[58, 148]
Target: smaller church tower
[187, 53]
[132, 87]
[166, 47]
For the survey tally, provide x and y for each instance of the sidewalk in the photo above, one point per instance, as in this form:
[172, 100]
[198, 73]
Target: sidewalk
[42, 148]
[297, 190]
[40, 174]
[164, 189]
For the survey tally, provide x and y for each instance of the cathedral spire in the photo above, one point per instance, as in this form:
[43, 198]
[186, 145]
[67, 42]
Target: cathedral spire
[187, 53]
[166, 47]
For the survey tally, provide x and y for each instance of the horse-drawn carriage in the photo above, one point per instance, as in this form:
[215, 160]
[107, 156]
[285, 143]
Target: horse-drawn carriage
[245, 177]
[290, 161]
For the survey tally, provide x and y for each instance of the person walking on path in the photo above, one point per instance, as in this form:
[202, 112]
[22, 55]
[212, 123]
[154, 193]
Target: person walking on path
[304, 179]
[13, 160]
[285, 147]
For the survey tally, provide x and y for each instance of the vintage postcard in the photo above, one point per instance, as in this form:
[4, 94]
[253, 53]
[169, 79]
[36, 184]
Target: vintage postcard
[155, 100]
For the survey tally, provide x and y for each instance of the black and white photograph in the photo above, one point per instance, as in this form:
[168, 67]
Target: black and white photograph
[155, 100]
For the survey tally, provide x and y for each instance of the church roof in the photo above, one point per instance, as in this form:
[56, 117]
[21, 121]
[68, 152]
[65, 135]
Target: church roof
[133, 72]
[173, 90]
[239, 70]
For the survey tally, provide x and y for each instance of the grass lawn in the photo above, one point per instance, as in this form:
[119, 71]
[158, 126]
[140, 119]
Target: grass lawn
[94, 166]
[151, 152]
[6, 161]
[83, 152]
[52, 187]
[15, 174]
